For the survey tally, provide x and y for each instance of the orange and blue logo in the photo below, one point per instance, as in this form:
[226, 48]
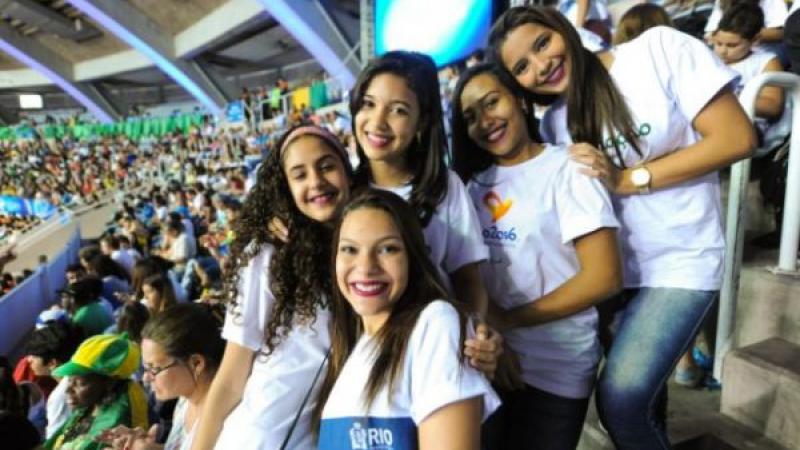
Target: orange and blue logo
[496, 205]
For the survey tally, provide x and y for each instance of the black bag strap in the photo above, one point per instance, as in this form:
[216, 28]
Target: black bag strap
[305, 400]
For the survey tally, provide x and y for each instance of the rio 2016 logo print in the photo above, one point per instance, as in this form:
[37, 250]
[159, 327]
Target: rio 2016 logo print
[496, 205]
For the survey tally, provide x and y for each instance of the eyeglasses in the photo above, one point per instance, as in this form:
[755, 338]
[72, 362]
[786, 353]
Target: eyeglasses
[154, 371]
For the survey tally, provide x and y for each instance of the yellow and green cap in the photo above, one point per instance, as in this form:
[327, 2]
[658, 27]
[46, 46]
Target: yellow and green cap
[111, 355]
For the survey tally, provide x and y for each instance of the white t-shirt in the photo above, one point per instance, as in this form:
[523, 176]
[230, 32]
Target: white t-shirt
[431, 377]
[453, 234]
[670, 237]
[775, 14]
[57, 409]
[598, 10]
[530, 214]
[278, 383]
[182, 248]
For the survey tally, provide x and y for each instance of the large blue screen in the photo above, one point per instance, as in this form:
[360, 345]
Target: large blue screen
[448, 30]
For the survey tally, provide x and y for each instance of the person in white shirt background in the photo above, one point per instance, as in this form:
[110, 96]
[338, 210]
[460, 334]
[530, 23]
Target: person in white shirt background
[398, 377]
[775, 15]
[671, 132]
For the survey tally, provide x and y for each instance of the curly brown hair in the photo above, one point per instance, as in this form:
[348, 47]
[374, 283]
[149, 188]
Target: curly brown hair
[299, 271]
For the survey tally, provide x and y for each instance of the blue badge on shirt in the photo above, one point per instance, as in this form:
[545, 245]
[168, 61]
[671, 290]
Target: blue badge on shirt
[368, 433]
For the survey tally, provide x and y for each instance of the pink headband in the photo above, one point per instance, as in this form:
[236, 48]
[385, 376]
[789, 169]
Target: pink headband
[319, 132]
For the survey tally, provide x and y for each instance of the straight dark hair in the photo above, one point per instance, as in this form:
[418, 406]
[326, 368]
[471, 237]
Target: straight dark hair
[468, 157]
[426, 154]
[187, 329]
[594, 104]
[744, 19]
[424, 286]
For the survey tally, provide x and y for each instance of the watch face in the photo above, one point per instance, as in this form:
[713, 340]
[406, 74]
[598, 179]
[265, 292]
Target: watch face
[640, 177]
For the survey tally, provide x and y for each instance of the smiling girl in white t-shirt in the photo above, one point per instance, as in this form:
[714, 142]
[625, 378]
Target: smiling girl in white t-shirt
[397, 377]
[551, 232]
[662, 109]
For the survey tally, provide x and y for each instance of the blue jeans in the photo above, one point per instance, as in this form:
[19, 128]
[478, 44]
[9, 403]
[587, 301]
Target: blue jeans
[656, 327]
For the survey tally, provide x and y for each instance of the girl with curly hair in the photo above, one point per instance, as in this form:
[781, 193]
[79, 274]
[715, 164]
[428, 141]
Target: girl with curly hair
[277, 321]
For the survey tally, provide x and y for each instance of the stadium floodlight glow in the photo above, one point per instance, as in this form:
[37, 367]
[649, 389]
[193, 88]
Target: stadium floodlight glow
[172, 71]
[447, 30]
[57, 79]
[30, 101]
[310, 40]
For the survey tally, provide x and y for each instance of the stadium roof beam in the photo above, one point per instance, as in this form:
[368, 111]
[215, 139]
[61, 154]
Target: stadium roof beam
[57, 69]
[309, 23]
[134, 28]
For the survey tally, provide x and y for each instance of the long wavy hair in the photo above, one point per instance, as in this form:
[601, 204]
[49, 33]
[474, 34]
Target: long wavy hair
[299, 273]
[594, 104]
[424, 286]
[468, 157]
[425, 156]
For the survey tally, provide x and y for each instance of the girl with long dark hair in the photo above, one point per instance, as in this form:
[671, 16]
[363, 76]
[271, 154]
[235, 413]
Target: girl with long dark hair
[397, 375]
[654, 121]
[551, 232]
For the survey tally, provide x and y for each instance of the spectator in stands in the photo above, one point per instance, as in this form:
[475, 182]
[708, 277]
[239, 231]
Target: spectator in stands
[7, 256]
[48, 348]
[100, 392]
[774, 13]
[475, 58]
[131, 319]
[115, 278]
[81, 301]
[638, 19]
[110, 246]
[673, 150]
[152, 265]
[179, 245]
[181, 351]
[733, 42]
[158, 293]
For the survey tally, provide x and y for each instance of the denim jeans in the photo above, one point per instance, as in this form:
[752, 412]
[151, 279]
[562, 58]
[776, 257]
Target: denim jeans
[655, 328]
[533, 419]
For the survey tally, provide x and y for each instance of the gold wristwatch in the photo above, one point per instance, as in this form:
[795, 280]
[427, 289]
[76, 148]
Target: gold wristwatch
[640, 177]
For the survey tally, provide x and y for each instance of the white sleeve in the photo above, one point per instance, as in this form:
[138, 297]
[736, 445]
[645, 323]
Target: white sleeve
[438, 378]
[244, 323]
[464, 240]
[714, 18]
[775, 13]
[582, 204]
[680, 59]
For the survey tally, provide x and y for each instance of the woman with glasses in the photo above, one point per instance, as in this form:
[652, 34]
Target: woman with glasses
[181, 351]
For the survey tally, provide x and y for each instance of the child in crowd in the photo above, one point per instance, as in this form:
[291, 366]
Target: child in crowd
[638, 19]
[733, 42]
[49, 347]
[774, 12]
[397, 374]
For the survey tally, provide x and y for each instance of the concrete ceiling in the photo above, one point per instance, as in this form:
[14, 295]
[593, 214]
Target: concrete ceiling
[221, 44]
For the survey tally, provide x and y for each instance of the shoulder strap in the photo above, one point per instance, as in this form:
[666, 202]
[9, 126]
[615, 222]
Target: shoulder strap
[305, 400]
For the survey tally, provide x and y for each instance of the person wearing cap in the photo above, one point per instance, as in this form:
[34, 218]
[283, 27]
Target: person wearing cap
[81, 300]
[100, 392]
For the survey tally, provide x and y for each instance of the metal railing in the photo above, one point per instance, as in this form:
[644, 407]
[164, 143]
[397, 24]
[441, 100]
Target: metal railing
[734, 225]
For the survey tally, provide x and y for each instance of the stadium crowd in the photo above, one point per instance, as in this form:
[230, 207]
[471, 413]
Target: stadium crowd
[354, 280]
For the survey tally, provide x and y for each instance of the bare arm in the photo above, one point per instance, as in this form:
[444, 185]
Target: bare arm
[225, 393]
[769, 103]
[599, 277]
[469, 289]
[771, 35]
[436, 432]
[582, 12]
[727, 135]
